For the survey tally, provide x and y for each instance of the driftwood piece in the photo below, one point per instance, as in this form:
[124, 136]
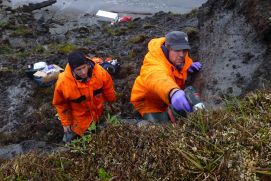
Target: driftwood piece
[34, 6]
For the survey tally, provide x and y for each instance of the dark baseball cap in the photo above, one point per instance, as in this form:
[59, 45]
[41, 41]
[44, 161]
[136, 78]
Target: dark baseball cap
[76, 59]
[177, 40]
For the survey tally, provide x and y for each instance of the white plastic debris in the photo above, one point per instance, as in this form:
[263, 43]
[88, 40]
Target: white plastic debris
[114, 62]
[39, 65]
[107, 14]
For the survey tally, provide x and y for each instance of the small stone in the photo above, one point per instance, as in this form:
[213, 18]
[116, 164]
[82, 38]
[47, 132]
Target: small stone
[194, 149]
[143, 123]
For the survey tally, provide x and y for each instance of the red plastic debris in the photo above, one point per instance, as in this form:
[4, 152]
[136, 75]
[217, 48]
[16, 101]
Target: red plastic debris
[125, 19]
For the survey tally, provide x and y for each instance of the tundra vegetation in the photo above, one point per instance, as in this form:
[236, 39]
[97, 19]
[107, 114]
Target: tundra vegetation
[226, 144]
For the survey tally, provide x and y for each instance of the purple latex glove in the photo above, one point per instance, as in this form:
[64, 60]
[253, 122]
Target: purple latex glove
[196, 66]
[179, 101]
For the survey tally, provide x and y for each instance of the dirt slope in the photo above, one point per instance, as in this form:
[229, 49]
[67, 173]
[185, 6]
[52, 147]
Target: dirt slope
[234, 45]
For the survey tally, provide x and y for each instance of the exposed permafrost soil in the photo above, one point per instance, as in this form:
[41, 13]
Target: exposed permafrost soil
[231, 38]
[236, 57]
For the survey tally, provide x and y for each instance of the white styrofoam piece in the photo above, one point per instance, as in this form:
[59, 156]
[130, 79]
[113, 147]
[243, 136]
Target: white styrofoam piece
[107, 14]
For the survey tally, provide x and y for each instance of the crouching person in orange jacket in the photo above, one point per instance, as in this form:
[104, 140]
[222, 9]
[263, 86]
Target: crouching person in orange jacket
[162, 78]
[79, 94]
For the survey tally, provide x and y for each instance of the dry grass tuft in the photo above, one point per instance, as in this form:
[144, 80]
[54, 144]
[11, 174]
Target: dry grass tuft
[230, 144]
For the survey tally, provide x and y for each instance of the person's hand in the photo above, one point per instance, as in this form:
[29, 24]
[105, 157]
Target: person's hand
[196, 66]
[179, 101]
[67, 129]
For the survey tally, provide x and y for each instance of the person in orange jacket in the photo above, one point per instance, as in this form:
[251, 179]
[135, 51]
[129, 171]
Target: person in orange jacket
[79, 94]
[162, 77]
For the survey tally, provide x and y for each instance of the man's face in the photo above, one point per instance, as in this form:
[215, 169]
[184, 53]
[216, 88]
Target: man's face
[176, 57]
[82, 71]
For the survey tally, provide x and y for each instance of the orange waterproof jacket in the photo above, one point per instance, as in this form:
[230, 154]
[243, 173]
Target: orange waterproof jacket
[77, 103]
[157, 78]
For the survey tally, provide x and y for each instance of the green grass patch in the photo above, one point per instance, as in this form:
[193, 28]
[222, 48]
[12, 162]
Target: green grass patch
[149, 26]
[137, 39]
[88, 41]
[5, 49]
[4, 24]
[103, 175]
[22, 31]
[132, 25]
[64, 48]
[116, 31]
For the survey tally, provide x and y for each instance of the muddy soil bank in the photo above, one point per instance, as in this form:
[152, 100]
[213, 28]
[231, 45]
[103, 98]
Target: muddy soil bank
[230, 38]
[234, 43]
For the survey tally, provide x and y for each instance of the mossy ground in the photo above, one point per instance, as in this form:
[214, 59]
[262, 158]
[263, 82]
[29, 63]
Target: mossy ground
[228, 144]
